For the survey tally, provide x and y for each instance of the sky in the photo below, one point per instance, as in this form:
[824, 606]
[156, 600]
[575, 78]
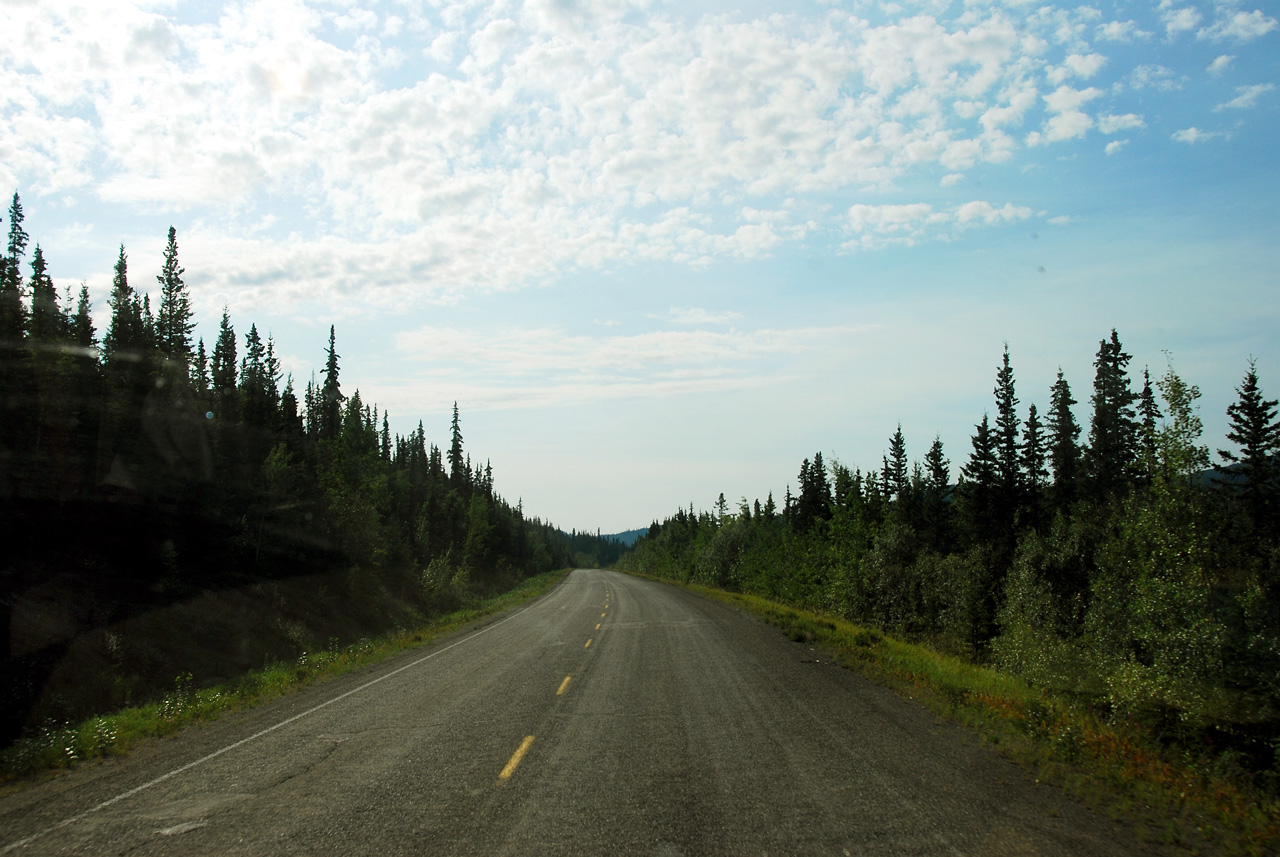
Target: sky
[657, 251]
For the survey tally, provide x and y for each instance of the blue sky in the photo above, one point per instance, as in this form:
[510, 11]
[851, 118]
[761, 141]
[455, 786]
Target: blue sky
[657, 251]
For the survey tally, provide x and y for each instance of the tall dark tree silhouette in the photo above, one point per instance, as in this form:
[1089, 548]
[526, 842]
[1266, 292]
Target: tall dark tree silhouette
[1064, 445]
[459, 473]
[13, 310]
[48, 325]
[331, 397]
[222, 373]
[175, 320]
[1255, 431]
[1113, 431]
[1008, 493]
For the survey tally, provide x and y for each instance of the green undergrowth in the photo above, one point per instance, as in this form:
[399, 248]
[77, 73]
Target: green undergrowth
[1167, 793]
[59, 746]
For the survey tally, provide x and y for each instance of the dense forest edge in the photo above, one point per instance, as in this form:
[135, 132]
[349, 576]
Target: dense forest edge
[1121, 571]
[148, 483]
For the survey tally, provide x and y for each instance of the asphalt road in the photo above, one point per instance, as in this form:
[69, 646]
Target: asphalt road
[611, 716]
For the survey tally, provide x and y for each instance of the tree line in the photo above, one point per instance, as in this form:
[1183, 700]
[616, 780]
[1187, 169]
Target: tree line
[1120, 567]
[138, 466]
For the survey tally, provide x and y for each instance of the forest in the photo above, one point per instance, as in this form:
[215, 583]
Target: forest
[1122, 569]
[139, 468]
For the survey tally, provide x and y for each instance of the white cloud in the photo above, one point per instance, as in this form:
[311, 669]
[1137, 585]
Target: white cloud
[1247, 97]
[1220, 64]
[1154, 76]
[877, 226]
[1177, 21]
[1115, 146]
[1240, 26]
[1110, 124]
[1195, 135]
[698, 315]
[519, 367]
[1121, 31]
[521, 141]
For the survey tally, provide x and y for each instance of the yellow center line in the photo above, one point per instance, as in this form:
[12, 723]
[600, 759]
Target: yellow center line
[597, 626]
[588, 645]
[601, 615]
[515, 759]
[564, 685]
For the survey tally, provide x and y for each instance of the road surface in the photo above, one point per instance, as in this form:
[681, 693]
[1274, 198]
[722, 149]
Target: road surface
[611, 716]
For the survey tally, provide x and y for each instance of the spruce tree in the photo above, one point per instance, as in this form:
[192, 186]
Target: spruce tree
[896, 466]
[1008, 467]
[175, 321]
[981, 480]
[1064, 445]
[331, 397]
[124, 336]
[13, 310]
[223, 373]
[1255, 430]
[200, 371]
[80, 327]
[1148, 414]
[1113, 431]
[1031, 457]
[457, 469]
[47, 322]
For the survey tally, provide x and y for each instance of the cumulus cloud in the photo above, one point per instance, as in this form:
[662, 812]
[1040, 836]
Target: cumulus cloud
[1121, 31]
[1246, 97]
[1195, 135]
[1219, 64]
[1239, 27]
[877, 226]
[1154, 76]
[454, 147]
[1110, 124]
[1115, 146]
[1180, 20]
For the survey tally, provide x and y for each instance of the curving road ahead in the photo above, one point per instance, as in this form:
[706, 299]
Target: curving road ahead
[611, 716]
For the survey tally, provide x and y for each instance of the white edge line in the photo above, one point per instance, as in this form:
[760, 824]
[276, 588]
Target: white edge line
[22, 843]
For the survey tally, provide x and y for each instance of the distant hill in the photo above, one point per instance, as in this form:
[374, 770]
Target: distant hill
[629, 537]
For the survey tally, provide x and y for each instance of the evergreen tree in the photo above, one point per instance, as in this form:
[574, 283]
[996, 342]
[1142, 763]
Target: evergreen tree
[47, 322]
[457, 468]
[1064, 446]
[981, 480]
[331, 397]
[1113, 432]
[1255, 430]
[1008, 465]
[1031, 457]
[175, 321]
[896, 466]
[222, 372]
[200, 371]
[256, 408]
[80, 326]
[1148, 414]
[13, 310]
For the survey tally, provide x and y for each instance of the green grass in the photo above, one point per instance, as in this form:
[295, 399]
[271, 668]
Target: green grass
[61, 746]
[1119, 770]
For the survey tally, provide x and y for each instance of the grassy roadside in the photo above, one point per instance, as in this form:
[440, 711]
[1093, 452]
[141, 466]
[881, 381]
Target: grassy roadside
[1123, 772]
[113, 734]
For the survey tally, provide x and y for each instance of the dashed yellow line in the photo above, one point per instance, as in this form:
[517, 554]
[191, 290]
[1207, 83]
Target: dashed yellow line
[564, 685]
[601, 615]
[515, 759]
[597, 626]
[588, 645]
